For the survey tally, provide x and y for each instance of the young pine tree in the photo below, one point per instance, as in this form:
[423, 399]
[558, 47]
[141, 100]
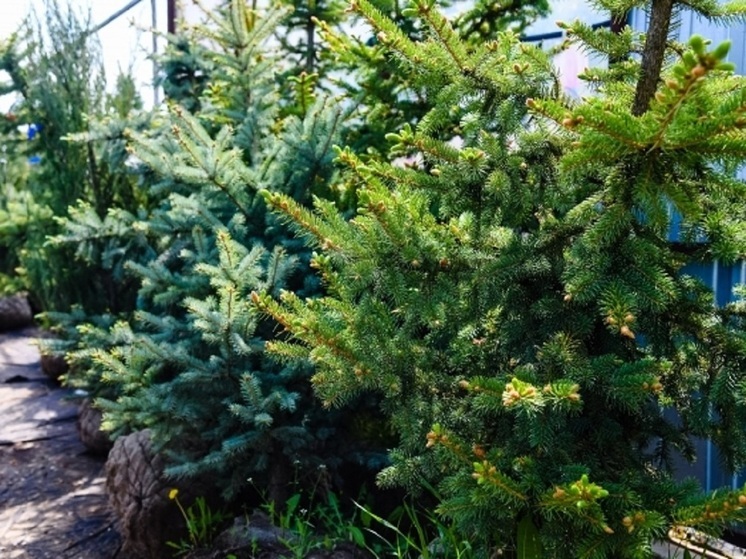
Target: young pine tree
[516, 297]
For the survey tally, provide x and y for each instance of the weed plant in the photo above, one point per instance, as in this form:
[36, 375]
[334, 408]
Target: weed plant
[202, 523]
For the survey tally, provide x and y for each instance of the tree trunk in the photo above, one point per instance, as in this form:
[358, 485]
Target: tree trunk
[652, 56]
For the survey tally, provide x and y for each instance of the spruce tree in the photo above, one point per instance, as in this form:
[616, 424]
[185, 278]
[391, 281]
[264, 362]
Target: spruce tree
[190, 363]
[386, 98]
[17, 210]
[515, 296]
[54, 70]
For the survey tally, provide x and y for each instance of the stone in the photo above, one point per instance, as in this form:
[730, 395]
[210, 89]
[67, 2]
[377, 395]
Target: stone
[15, 312]
[53, 362]
[256, 537]
[138, 494]
[255, 531]
[89, 429]
[33, 412]
[53, 365]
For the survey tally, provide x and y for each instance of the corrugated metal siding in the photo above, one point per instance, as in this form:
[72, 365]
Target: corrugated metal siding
[709, 469]
[690, 24]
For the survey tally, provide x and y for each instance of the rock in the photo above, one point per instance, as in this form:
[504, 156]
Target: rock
[53, 362]
[257, 538]
[15, 312]
[340, 551]
[257, 531]
[54, 366]
[89, 429]
[346, 550]
[138, 494]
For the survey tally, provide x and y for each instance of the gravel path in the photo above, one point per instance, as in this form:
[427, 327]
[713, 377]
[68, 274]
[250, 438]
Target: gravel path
[52, 501]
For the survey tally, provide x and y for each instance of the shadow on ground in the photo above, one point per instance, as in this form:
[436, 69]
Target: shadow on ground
[52, 500]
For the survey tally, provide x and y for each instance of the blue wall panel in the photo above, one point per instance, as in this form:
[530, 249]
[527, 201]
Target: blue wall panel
[721, 278]
[691, 24]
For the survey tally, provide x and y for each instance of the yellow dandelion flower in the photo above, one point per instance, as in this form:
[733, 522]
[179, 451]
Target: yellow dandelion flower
[173, 493]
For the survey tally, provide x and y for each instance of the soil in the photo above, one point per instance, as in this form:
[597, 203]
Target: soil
[52, 500]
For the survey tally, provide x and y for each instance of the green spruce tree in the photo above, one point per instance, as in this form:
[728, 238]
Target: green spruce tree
[375, 79]
[54, 70]
[511, 290]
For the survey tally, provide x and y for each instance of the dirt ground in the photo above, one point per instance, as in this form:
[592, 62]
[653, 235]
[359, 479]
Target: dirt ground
[52, 500]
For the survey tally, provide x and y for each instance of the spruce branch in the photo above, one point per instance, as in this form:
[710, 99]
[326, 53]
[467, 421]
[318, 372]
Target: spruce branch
[407, 139]
[389, 33]
[444, 32]
[486, 473]
[303, 219]
[690, 77]
[206, 156]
